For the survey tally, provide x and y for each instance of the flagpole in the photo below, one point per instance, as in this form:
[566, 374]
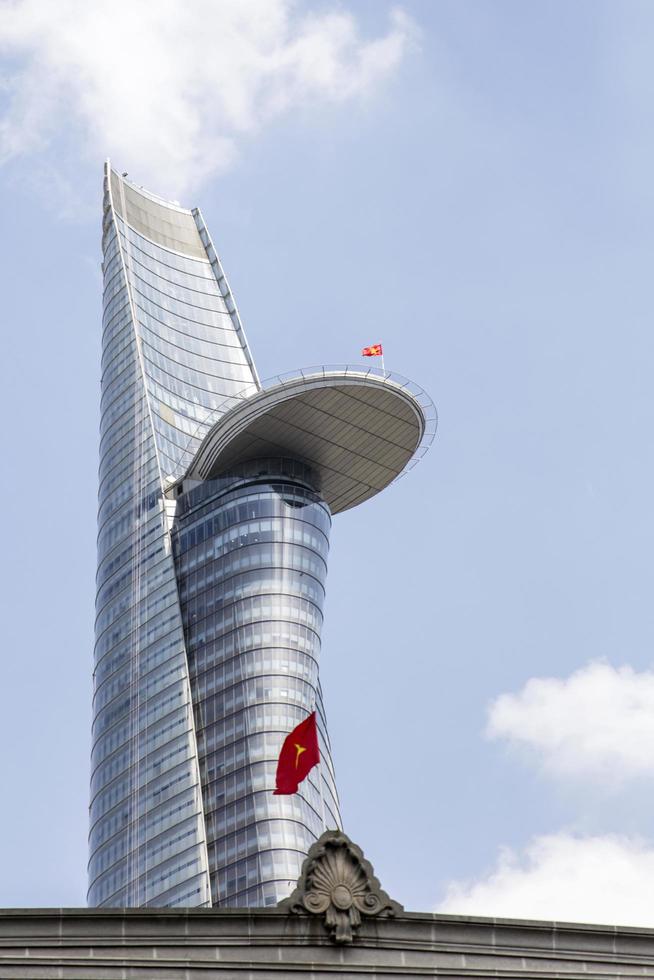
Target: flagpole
[375, 350]
[322, 797]
[319, 766]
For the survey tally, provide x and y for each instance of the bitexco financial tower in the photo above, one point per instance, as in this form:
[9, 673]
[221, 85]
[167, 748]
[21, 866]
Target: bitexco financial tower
[215, 504]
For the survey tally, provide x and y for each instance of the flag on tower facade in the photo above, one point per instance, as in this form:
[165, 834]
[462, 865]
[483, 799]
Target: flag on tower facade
[375, 350]
[298, 756]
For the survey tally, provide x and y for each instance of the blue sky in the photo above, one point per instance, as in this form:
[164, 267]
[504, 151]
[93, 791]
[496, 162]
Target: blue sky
[470, 183]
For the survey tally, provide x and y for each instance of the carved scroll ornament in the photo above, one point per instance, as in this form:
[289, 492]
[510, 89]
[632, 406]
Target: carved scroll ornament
[337, 882]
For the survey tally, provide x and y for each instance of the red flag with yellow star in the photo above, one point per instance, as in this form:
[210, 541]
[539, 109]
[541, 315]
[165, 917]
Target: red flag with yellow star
[298, 756]
[375, 350]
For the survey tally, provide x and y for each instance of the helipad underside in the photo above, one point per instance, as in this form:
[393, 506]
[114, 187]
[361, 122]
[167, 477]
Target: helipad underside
[357, 432]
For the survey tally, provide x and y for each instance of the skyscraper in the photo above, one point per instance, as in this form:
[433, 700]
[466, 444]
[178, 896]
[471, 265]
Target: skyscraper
[215, 503]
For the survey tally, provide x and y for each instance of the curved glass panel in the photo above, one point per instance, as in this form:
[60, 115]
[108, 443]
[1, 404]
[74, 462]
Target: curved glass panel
[250, 553]
[208, 607]
[169, 338]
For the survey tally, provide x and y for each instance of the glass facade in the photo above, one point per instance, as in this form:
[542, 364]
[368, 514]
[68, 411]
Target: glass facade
[197, 674]
[251, 557]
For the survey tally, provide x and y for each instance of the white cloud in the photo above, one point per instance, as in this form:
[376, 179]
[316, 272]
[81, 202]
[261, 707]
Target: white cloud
[169, 88]
[607, 879]
[598, 723]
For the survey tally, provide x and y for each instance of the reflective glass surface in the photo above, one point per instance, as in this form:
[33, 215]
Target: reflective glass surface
[250, 552]
[172, 351]
[206, 658]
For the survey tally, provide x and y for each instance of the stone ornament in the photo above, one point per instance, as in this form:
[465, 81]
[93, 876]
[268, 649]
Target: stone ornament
[336, 881]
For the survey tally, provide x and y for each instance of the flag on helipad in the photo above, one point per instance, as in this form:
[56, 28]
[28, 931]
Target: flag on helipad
[298, 756]
[375, 350]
